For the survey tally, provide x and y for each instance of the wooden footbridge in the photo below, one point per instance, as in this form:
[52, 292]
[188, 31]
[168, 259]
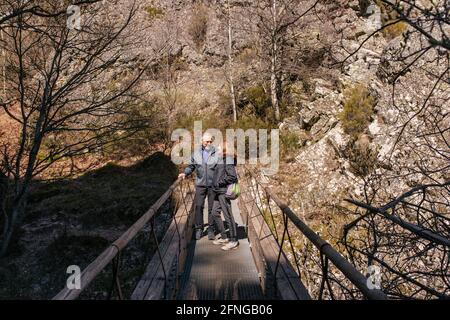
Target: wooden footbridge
[261, 268]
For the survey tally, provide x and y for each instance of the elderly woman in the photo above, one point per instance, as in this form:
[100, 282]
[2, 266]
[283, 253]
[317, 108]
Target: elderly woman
[224, 175]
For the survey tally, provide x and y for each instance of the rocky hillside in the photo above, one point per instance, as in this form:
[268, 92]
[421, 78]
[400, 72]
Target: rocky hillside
[340, 108]
[363, 98]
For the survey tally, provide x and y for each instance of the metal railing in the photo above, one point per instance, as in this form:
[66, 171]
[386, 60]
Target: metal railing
[112, 254]
[327, 252]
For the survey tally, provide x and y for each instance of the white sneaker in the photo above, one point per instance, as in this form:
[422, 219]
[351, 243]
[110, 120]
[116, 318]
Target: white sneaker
[230, 245]
[221, 241]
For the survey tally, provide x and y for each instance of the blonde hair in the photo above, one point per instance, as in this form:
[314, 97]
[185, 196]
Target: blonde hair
[227, 148]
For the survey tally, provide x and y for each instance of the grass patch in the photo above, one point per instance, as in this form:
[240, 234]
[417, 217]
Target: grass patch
[363, 159]
[198, 25]
[255, 102]
[154, 12]
[389, 15]
[358, 110]
[394, 30]
[289, 144]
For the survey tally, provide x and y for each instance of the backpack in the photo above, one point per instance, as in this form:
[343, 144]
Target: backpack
[233, 191]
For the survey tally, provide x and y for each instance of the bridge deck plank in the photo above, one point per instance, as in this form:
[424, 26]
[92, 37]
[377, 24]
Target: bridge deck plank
[217, 274]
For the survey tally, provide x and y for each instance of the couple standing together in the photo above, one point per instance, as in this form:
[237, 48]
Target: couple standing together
[216, 170]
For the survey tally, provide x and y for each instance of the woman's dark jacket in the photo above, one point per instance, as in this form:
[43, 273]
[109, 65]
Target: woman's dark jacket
[225, 174]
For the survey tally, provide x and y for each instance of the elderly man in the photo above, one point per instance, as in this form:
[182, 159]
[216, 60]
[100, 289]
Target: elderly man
[204, 162]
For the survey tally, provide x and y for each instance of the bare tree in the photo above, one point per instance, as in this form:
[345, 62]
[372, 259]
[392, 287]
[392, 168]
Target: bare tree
[407, 234]
[409, 239]
[168, 32]
[226, 13]
[275, 20]
[65, 94]
[13, 8]
[230, 61]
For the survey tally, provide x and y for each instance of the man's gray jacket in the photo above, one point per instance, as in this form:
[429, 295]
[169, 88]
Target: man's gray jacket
[205, 171]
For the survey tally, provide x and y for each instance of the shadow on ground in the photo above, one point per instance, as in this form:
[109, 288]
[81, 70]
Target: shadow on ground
[70, 222]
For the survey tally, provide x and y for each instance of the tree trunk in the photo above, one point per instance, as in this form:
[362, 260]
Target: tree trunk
[3, 68]
[233, 99]
[5, 236]
[273, 67]
[8, 229]
[230, 65]
[6, 239]
[274, 90]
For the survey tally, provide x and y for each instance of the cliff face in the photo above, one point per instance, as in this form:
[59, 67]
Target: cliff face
[329, 159]
[397, 149]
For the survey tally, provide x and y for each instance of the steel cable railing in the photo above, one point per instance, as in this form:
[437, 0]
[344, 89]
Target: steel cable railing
[112, 254]
[326, 251]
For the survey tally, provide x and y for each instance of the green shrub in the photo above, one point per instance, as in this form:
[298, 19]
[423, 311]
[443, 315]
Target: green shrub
[135, 142]
[389, 15]
[209, 121]
[247, 55]
[246, 122]
[363, 159]
[289, 144]
[255, 102]
[394, 30]
[154, 13]
[251, 122]
[358, 110]
[222, 123]
[308, 87]
[198, 25]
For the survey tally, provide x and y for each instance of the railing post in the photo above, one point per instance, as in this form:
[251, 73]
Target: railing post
[115, 284]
